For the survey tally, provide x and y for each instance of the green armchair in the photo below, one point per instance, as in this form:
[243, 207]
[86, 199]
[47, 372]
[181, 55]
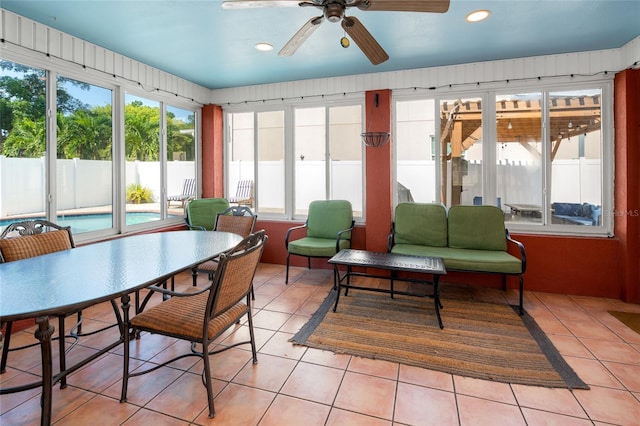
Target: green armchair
[201, 213]
[328, 230]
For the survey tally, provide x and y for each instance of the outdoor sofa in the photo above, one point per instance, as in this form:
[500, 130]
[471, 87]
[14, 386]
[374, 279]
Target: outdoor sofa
[467, 238]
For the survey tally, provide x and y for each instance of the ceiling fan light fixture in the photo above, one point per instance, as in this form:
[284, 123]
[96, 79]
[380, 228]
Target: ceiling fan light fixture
[264, 47]
[334, 12]
[477, 15]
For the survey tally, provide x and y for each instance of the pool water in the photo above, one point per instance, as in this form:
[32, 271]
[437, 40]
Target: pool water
[93, 222]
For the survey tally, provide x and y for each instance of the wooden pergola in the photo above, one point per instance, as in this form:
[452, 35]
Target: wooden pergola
[517, 121]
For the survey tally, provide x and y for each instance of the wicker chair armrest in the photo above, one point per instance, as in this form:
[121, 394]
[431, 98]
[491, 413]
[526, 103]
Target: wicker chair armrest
[155, 288]
[162, 290]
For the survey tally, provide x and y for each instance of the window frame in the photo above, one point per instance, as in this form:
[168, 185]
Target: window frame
[118, 87]
[289, 145]
[489, 171]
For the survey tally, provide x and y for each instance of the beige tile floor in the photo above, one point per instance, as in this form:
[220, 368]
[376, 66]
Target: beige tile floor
[295, 385]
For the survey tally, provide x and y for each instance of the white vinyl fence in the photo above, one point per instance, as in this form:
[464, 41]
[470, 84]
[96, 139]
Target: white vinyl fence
[87, 183]
[81, 183]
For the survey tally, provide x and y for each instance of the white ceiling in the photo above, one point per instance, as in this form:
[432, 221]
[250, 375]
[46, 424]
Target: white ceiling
[200, 42]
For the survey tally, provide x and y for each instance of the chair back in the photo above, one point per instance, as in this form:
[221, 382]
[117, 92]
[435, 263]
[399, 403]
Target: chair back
[328, 217]
[477, 227]
[201, 213]
[236, 219]
[421, 224]
[21, 240]
[244, 193]
[189, 187]
[244, 189]
[236, 269]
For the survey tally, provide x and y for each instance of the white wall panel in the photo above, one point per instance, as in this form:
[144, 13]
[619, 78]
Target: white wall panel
[26, 38]
[632, 53]
[545, 67]
[40, 38]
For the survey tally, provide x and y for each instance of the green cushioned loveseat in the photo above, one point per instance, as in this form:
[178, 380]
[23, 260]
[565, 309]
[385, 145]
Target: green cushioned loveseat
[467, 238]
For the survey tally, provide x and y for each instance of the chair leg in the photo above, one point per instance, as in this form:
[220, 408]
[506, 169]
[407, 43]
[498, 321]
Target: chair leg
[79, 322]
[5, 347]
[308, 262]
[207, 381]
[62, 350]
[521, 296]
[286, 279]
[253, 339]
[194, 274]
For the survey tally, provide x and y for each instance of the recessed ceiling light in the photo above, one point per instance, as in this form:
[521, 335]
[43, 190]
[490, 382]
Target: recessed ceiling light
[265, 47]
[477, 15]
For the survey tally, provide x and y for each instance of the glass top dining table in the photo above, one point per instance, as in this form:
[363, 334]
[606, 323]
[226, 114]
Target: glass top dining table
[74, 279]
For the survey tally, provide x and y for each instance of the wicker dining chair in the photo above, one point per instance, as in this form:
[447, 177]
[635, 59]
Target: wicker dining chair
[201, 316]
[236, 219]
[21, 240]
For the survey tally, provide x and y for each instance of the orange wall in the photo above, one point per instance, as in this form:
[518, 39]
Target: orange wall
[604, 267]
[627, 179]
[212, 152]
[378, 181]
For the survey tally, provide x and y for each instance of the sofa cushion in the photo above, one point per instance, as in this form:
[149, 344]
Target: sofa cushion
[477, 228]
[578, 214]
[421, 224]
[596, 212]
[465, 259]
[566, 209]
[586, 210]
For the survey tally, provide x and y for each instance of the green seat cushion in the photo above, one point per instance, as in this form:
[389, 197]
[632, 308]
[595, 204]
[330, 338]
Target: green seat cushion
[316, 247]
[466, 260]
[328, 217]
[477, 228]
[421, 224]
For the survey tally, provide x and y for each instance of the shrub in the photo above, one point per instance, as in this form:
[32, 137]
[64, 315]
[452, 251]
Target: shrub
[138, 194]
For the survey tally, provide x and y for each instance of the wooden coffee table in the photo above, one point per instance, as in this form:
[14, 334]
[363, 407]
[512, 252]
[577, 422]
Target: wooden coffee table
[389, 262]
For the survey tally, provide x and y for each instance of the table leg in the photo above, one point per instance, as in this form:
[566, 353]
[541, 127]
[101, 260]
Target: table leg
[335, 306]
[43, 334]
[436, 299]
[126, 342]
[348, 276]
[393, 275]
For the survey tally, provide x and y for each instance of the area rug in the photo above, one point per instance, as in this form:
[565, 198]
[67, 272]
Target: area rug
[481, 340]
[630, 319]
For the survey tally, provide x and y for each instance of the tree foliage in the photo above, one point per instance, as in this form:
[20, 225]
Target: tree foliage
[83, 131]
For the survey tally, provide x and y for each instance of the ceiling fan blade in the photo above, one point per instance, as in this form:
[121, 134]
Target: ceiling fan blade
[246, 4]
[364, 40]
[301, 36]
[434, 6]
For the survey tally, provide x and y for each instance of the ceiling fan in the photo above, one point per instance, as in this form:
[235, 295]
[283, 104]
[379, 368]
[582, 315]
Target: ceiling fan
[334, 11]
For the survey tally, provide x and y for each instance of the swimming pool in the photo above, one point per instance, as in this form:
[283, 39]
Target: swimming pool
[93, 222]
